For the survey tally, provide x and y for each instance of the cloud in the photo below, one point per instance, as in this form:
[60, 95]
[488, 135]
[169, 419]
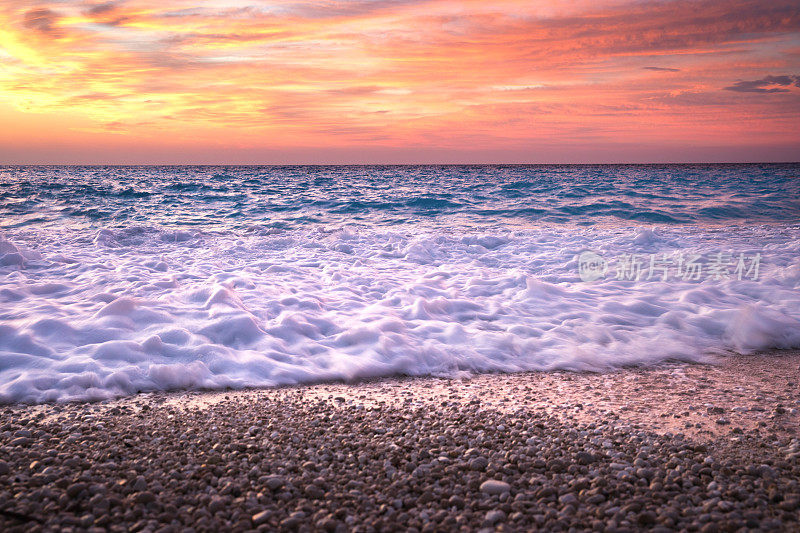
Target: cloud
[357, 90]
[42, 20]
[351, 8]
[765, 84]
[101, 9]
[108, 14]
[662, 69]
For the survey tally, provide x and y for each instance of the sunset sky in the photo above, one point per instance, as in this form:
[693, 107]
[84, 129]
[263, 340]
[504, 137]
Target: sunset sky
[177, 81]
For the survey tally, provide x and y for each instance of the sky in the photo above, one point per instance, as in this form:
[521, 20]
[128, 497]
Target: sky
[399, 81]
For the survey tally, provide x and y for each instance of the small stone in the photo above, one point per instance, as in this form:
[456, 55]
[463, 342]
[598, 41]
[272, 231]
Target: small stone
[275, 482]
[140, 484]
[766, 471]
[74, 490]
[327, 524]
[495, 487]
[261, 518]
[145, 497]
[479, 464]
[4, 469]
[645, 473]
[545, 492]
[556, 465]
[314, 492]
[595, 499]
[710, 527]
[584, 458]
[789, 505]
[426, 497]
[455, 501]
[646, 518]
[568, 499]
[493, 517]
[294, 521]
[217, 504]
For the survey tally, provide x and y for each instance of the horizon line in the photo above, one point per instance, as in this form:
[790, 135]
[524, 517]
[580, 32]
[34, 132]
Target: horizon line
[392, 164]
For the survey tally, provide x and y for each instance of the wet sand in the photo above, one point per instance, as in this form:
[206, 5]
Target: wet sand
[734, 395]
[679, 447]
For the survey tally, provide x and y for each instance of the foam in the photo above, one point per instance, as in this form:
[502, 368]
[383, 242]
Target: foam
[94, 314]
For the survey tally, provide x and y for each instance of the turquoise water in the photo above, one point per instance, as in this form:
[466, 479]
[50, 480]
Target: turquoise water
[479, 196]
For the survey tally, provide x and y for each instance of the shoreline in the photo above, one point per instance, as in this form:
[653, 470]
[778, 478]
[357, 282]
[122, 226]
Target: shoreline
[743, 380]
[677, 447]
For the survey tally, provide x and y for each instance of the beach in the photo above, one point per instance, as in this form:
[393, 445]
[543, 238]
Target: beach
[699, 447]
[415, 266]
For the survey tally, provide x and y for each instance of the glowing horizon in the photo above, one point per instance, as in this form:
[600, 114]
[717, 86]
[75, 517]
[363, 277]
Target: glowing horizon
[399, 81]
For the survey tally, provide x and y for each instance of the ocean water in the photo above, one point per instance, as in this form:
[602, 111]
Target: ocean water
[116, 280]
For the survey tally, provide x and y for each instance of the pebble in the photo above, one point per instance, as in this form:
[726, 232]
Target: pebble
[217, 504]
[495, 487]
[145, 497]
[584, 458]
[261, 518]
[479, 464]
[275, 482]
[493, 517]
[76, 489]
[568, 499]
[314, 492]
[140, 484]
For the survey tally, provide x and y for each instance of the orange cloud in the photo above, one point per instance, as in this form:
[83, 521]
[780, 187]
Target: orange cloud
[397, 77]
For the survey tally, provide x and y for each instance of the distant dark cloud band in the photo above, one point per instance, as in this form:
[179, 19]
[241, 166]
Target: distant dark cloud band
[766, 84]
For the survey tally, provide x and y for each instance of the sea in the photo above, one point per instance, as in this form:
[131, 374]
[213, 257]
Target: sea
[116, 280]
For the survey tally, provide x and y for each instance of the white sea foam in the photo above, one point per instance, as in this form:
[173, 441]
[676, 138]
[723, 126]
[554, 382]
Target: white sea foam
[90, 316]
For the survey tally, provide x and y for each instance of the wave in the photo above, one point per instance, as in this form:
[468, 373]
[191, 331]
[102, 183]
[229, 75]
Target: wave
[90, 314]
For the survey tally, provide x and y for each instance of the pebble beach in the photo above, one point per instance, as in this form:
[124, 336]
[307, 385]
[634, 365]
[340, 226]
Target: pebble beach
[709, 447]
[364, 266]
